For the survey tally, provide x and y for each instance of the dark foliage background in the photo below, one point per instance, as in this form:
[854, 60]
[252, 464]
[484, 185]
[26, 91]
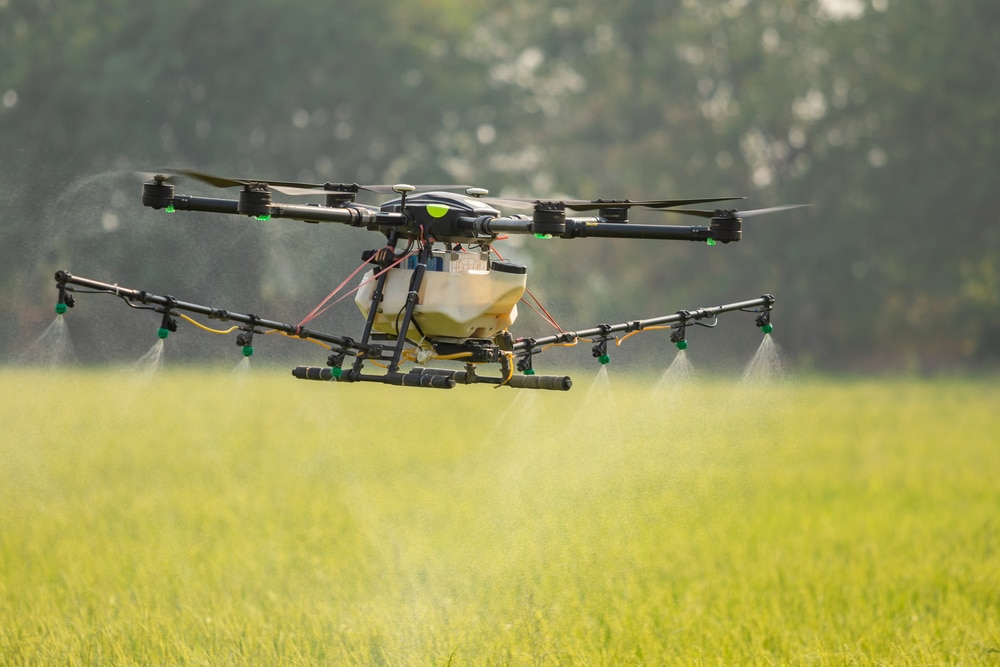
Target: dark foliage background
[880, 113]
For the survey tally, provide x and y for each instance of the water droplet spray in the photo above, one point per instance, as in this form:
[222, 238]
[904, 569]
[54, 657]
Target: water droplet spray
[53, 347]
[151, 362]
[766, 365]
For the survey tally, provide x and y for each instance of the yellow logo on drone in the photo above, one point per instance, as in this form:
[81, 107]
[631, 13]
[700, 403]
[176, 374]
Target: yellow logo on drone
[437, 210]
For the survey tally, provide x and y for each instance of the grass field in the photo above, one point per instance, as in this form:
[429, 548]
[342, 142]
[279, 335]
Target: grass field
[207, 518]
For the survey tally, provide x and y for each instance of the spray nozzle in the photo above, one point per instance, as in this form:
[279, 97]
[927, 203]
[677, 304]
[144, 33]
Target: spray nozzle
[600, 349]
[679, 335]
[336, 362]
[245, 341]
[524, 364]
[66, 300]
[167, 324]
[245, 338]
[763, 321]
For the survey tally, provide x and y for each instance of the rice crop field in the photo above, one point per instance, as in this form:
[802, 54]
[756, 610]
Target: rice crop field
[206, 517]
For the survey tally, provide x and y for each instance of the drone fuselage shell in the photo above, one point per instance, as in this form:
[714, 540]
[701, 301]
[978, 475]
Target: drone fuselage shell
[460, 297]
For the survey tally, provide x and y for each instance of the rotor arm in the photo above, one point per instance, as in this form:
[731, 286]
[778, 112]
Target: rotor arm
[594, 227]
[189, 203]
[256, 202]
[489, 226]
[573, 228]
[354, 216]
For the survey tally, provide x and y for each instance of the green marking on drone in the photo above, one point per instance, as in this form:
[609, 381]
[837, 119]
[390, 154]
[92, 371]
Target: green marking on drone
[437, 210]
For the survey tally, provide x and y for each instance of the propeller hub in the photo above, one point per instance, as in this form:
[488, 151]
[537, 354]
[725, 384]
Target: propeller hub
[549, 219]
[255, 201]
[726, 226]
[157, 194]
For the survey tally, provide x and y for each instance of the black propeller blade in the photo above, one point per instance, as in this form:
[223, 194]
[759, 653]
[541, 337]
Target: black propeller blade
[719, 213]
[385, 189]
[161, 176]
[299, 188]
[599, 204]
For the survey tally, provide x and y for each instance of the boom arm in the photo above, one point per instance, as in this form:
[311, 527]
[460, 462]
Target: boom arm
[501, 349]
[526, 348]
[681, 318]
[167, 304]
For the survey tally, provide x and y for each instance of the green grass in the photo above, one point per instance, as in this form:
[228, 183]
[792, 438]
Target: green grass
[204, 519]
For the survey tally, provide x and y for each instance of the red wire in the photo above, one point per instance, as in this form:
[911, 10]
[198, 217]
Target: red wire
[542, 312]
[374, 276]
[323, 305]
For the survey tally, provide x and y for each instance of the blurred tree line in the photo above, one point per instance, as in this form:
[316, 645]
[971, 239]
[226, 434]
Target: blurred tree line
[879, 113]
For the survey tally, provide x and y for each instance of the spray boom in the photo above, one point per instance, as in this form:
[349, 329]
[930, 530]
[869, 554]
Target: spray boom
[509, 353]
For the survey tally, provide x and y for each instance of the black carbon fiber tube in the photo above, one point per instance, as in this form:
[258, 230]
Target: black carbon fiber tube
[553, 382]
[765, 301]
[420, 380]
[313, 373]
[141, 296]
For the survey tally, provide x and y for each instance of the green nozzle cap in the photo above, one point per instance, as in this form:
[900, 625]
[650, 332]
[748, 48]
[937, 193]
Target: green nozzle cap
[604, 358]
[530, 371]
[162, 333]
[248, 350]
[170, 209]
[543, 236]
[336, 372]
[264, 218]
[681, 344]
[60, 308]
[767, 328]
[709, 241]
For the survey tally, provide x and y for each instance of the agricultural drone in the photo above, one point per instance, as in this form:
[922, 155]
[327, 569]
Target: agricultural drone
[437, 289]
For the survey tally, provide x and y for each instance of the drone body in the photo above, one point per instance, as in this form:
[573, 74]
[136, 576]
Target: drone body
[462, 295]
[436, 289]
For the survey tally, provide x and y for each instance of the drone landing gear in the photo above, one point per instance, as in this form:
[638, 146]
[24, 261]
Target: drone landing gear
[473, 351]
[440, 378]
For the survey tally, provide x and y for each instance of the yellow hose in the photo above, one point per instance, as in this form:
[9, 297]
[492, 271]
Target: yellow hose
[311, 340]
[208, 329]
[632, 333]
